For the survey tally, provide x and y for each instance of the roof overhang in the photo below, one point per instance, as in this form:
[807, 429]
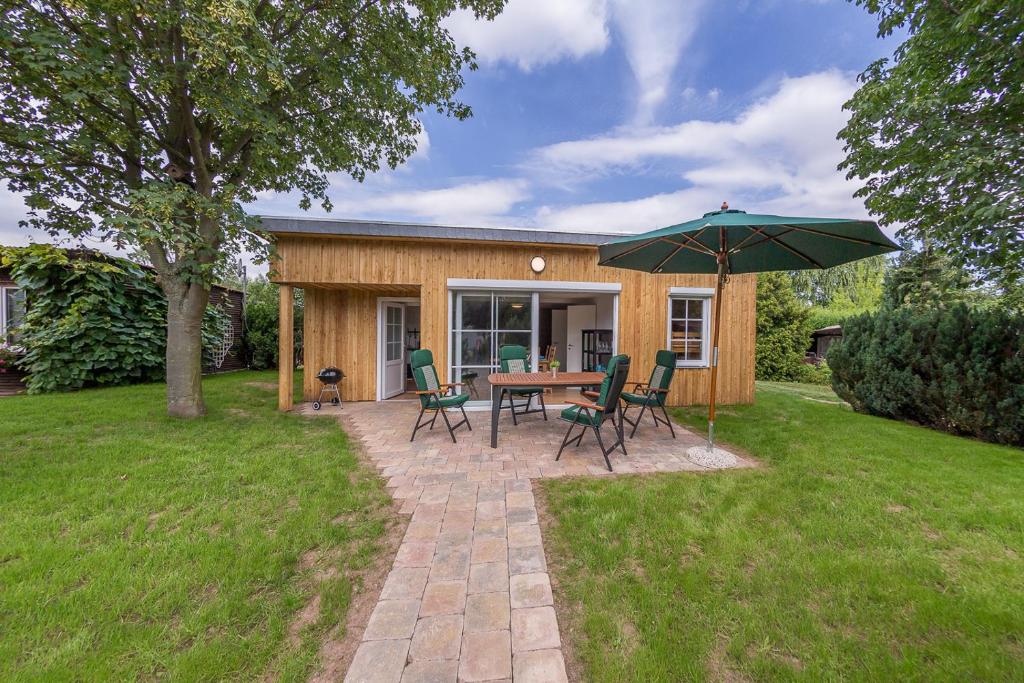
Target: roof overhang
[332, 227]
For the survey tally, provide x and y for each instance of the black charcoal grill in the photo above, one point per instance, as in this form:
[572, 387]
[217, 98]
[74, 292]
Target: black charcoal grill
[330, 378]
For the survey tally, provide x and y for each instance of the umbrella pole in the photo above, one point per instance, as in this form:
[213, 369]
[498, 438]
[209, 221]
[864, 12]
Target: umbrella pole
[714, 351]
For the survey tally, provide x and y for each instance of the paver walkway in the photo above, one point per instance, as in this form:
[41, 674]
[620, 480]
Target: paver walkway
[468, 597]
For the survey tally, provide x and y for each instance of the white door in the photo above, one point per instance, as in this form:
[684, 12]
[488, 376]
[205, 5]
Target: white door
[578, 318]
[393, 351]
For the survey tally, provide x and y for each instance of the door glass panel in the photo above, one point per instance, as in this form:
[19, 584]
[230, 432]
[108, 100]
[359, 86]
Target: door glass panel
[513, 312]
[481, 324]
[476, 312]
[475, 347]
[393, 334]
[520, 338]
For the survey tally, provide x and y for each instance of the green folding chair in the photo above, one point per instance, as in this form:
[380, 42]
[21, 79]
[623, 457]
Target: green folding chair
[593, 415]
[435, 396]
[652, 396]
[513, 358]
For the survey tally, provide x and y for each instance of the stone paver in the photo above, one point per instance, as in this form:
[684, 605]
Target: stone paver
[539, 666]
[437, 638]
[378, 661]
[487, 612]
[534, 628]
[443, 597]
[469, 596]
[392, 620]
[486, 656]
[432, 672]
[404, 583]
[531, 590]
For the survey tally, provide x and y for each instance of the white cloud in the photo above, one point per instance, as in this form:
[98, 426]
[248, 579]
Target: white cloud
[777, 156]
[472, 202]
[654, 34]
[531, 33]
[422, 146]
[801, 118]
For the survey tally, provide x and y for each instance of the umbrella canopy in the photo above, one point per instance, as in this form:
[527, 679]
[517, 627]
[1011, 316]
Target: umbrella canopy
[751, 243]
[731, 241]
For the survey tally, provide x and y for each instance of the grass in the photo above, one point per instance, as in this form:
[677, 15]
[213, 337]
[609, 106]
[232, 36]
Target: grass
[135, 546]
[863, 549]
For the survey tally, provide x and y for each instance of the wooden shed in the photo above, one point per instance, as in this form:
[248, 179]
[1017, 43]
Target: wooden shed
[375, 290]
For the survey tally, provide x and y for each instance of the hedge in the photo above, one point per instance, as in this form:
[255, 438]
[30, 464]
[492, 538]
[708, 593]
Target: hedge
[92, 319]
[959, 369]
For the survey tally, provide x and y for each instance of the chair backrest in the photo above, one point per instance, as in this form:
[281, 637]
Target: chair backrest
[611, 386]
[513, 358]
[423, 372]
[551, 353]
[612, 362]
[661, 376]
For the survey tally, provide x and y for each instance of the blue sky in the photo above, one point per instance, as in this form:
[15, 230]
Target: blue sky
[613, 115]
[619, 115]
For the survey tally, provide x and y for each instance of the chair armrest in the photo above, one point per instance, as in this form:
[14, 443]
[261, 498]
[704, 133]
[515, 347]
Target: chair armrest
[584, 404]
[656, 390]
[429, 391]
[591, 394]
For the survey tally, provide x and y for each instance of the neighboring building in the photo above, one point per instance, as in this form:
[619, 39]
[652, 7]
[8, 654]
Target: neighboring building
[228, 356]
[374, 290]
[821, 340]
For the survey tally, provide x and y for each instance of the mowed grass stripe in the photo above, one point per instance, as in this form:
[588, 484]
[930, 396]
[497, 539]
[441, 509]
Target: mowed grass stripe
[864, 549]
[137, 546]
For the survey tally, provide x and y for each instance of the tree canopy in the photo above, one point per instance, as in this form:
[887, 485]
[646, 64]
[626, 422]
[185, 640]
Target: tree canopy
[937, 132]
[151, 124]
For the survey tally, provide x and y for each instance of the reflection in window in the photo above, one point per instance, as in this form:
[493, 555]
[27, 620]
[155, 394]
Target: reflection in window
[12, 312]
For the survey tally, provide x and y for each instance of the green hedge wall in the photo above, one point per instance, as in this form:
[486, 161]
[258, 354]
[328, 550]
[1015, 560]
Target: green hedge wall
[959, 369]
[92, 319]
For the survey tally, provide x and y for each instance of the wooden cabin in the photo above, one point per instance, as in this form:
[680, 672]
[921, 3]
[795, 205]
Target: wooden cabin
[375, 290]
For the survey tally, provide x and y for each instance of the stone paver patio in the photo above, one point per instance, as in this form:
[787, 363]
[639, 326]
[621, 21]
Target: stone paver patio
[468, 597]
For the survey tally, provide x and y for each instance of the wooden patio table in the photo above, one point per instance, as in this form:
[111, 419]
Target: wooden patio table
[513, 380]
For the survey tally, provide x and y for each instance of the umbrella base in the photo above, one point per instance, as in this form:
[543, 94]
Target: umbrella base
[715, 459]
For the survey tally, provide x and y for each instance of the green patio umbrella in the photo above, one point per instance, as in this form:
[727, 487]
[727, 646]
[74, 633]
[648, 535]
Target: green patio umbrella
[731, 241]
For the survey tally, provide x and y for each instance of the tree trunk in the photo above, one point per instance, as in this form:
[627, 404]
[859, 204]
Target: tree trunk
[186, 305]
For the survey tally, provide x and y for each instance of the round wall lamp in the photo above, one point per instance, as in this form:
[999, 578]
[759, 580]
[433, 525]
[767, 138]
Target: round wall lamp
[537, 264]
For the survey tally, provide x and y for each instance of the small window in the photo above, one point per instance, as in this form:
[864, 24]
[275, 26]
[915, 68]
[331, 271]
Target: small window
[689, 318]
[12, 312]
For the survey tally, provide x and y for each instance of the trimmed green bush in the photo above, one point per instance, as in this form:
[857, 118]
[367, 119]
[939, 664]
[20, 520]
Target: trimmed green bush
[783, 331]
[262, 313]
[814, 374]
[957, 368]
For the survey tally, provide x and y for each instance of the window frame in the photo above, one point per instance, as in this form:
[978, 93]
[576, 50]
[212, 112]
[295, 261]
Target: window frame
[705, 295]
[4, 313]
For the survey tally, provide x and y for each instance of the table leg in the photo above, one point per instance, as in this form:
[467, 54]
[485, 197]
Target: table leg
[495, 409]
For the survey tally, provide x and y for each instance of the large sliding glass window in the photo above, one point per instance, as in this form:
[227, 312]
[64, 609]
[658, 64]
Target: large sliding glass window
[483, 322]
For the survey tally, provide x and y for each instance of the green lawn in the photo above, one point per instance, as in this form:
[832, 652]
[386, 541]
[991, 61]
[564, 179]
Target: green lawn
[863, 549]
[134, 546]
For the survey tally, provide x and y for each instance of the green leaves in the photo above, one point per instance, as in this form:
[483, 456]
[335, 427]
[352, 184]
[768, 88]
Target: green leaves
[92, 320]
[937, 134]
[958, 368]
[783, 331]
[98, 98]
[261, 324]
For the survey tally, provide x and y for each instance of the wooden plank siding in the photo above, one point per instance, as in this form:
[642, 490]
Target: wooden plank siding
[344, 276]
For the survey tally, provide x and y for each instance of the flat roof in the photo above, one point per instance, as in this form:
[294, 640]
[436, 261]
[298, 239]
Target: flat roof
[362, 228]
